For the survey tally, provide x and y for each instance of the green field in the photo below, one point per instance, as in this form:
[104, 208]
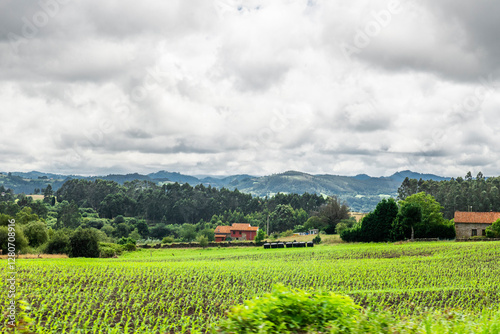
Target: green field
[182, 290]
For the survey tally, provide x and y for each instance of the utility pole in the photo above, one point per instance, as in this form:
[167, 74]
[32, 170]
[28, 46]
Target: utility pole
[267, 225]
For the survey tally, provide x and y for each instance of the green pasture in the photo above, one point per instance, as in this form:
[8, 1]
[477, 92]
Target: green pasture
[176, 290]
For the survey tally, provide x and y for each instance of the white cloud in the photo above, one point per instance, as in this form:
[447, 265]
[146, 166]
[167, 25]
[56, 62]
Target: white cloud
[229, 86]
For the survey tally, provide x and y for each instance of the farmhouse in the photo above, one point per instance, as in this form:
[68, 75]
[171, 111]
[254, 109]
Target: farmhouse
[221, 232]
[236, 232]
[470, 224]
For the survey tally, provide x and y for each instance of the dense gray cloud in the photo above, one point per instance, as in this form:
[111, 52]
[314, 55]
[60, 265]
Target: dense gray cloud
[233, 86]
[456, 40]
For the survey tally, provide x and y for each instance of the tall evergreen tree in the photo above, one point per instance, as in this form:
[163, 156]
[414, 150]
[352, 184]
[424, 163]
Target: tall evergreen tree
[377, 225]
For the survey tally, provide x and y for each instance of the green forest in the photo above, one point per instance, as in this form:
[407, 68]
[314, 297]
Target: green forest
[479, 194]
[425, 209]
[144, 211]
[360, 192]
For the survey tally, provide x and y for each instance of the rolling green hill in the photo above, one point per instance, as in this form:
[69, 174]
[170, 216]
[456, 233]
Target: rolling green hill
[297, 182]
[361, 192]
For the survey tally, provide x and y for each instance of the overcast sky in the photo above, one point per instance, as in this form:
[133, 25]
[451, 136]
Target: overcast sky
[232, 86]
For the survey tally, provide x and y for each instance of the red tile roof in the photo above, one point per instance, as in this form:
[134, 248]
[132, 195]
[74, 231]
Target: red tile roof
[476, 217]
[220, 235]
[223, 229]
[244, 227]
[235, 227]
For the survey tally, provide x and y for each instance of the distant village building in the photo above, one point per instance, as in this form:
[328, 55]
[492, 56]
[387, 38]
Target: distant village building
[313, 231]
[222, 232]
[236, 232]
[471, 224]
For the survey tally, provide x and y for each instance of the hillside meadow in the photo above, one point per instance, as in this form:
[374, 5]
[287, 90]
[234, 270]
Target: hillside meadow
[189, 290]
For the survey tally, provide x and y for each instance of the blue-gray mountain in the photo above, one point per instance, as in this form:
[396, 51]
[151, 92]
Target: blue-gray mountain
[361, 192]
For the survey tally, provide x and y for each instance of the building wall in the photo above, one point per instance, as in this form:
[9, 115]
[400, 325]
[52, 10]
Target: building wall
[250, 235]
[464, 230]
[220, 239]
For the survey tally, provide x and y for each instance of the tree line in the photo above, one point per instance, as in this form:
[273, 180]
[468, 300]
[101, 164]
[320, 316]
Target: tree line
[417, 216]
[479, 194]
[173, 203]
[141, 210]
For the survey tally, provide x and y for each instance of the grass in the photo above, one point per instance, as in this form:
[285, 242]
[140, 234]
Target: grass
[358, 215]
[181, 290]
[325, 238]
[38, 256]
[36, 197]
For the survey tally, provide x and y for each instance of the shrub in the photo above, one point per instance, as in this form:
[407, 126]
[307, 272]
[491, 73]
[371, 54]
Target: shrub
[345, 224]
[445, 231]
[36, 232]
[107, 252]
[341, 227]
[107, 246]
[128, 244]
[101, 236]
[285, 310]
[208, 233]
[317, 239]
[441, 230]
[20, 242]
[352, 234]
[110, 249]
[167, 240]
[493, 231]
[130, 247]
[203, 241]
[299, 229]
[490, 233]
[135, 235]
[124, 241]
[287, 233]
[188, 232]
[261, 235]
[58, 244]
[84, 243]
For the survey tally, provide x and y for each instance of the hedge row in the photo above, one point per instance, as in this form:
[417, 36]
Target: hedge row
[210, 244]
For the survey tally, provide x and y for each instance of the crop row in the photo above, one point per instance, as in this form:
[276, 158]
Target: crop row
[177, 290]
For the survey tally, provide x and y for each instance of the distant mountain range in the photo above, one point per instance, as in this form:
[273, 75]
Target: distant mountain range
[361, 192]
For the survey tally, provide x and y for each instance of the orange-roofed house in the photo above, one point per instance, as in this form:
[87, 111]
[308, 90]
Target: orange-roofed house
[471, 224]
[222, 232]
[236, 232]
[243, 231]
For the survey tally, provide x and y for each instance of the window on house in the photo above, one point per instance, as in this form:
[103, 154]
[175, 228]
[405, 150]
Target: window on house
[474, 232]
[483, 232]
